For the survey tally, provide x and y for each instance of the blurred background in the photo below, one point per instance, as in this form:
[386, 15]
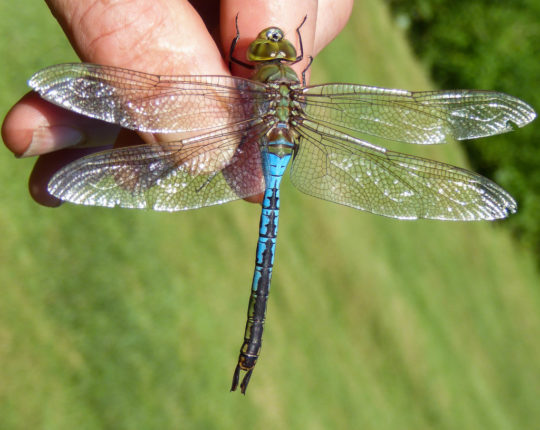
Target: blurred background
[129, 319]
[495, 45]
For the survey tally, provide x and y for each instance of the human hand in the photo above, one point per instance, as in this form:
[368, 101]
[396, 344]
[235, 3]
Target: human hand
[168, 37]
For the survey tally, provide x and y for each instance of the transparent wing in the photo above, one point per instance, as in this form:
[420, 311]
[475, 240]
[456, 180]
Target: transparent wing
[202, 171]
[146, 102]
[345, 170]
[414, 117]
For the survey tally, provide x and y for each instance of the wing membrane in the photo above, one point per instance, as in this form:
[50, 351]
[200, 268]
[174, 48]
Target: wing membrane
[427, 117]
[146, 102]
[206, 170]
[345, 170]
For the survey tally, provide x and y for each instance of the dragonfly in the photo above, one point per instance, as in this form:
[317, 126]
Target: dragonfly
[238, 136]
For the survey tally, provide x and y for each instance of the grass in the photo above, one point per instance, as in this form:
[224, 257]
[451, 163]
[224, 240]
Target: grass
[125, 319]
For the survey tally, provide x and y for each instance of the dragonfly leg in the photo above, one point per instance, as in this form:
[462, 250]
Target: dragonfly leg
[232, 59]
[301, 56]
[305, 70]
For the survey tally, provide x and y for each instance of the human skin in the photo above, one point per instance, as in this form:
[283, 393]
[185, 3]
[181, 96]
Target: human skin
[167, 37]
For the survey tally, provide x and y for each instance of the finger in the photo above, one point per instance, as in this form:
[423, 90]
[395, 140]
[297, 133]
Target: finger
[47, 165]
[331, 18]
[161, 36]
[165, 37]
[34, 126]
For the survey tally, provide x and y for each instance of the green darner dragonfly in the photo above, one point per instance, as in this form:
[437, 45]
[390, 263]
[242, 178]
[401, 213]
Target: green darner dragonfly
[241, 134]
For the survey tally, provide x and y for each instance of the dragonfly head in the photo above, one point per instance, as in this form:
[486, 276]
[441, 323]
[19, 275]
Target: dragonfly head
[271, 45]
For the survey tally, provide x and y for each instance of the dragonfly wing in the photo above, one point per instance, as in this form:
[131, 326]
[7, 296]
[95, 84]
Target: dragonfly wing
[414, 117]
[146, 102]
[345, 170]
[202, 171]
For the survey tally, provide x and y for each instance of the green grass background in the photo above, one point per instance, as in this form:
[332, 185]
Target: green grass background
[118, 319]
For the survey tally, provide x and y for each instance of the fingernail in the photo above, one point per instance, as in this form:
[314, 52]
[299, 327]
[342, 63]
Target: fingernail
[48, 139]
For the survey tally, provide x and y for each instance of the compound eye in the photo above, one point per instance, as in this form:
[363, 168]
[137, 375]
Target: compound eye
[274, 34]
